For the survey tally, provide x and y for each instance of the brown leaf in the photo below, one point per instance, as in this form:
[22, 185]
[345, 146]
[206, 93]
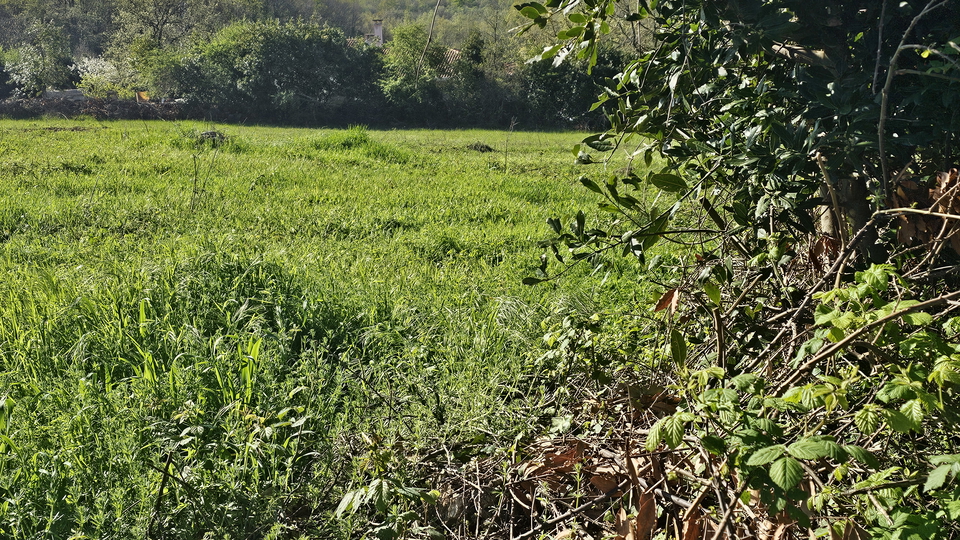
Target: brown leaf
[566, 461]
[624, 526]
[604, 483]
[692, 528]
[646, 522]
[670, 299]
[853, 531]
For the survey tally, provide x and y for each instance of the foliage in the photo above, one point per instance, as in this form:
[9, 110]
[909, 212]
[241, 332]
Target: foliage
[42, 63]
[279, 69]
[785, 323]
[102, 78]
[412, 65]
[202, 338]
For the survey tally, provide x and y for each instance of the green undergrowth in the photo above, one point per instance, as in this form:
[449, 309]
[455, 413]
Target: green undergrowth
[220, 335]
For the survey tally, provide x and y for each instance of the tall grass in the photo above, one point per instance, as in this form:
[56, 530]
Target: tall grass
[206, 339]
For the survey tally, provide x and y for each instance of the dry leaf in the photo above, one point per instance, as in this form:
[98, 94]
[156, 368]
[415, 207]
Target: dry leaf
[604, 483]
[625, 526]
[692, 528]
[646, 522]
[670, 299]
[853, 531]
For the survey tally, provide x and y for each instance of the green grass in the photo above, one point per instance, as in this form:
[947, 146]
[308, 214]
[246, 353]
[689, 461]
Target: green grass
[221, 337]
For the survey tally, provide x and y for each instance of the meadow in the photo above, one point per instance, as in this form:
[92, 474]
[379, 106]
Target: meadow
[218, 331]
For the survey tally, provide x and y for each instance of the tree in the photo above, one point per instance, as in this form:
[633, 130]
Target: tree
[279, 70]
[44, 62]
[412, 64]
[764, 114]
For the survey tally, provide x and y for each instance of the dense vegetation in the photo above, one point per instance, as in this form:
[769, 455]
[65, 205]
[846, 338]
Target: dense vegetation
[809, 317]
[222, 335]
[782, 171]
[301, 63]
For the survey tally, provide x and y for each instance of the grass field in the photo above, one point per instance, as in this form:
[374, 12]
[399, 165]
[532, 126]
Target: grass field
[218, 337]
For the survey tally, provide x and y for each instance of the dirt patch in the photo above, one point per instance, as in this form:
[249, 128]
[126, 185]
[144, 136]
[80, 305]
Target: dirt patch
[479, 147]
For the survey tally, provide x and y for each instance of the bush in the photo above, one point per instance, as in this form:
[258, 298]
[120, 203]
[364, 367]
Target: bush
[292, 71]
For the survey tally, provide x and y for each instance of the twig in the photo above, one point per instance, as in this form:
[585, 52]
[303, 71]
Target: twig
[837, 213]
[416, 75]
[574, 511]
[885, 94]
[851, 246]
[876, 68]
[925, 74]
[853, 336]
[898, 211]
[725, 520]
[163, 484]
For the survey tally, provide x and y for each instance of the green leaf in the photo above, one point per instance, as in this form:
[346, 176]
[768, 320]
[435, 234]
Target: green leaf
[913, 410]
[668, 182]
[591, 185]
[918, 318]
[766, 455]
[744, 381]
[835, 451]
[898, 421]
[824, 314]
[952, 459]
[655, 436]
[678, 347]
[786, 472]
[867, 419]
[713, 444]
[807, 449]
[713, 292]
[529, 12]
[349, 502]
[937, 477]
[673, 430]
[600, 143]
[862, 455]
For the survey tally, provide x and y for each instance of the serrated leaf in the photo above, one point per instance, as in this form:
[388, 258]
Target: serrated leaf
[862, 455]
[713, 444]
[937, 477]
[953, 459]
[913, 410]
[673, 430]
[744, 381]
[835, 451]
[655, 436]
[824, 314]
[918, 318]
[807, 449]
[668, 182]
[786, 472]
[898, 421]
[867, 419]
[766, 455]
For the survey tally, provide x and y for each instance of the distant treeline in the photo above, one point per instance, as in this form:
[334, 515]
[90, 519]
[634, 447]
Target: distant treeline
[302, 62]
